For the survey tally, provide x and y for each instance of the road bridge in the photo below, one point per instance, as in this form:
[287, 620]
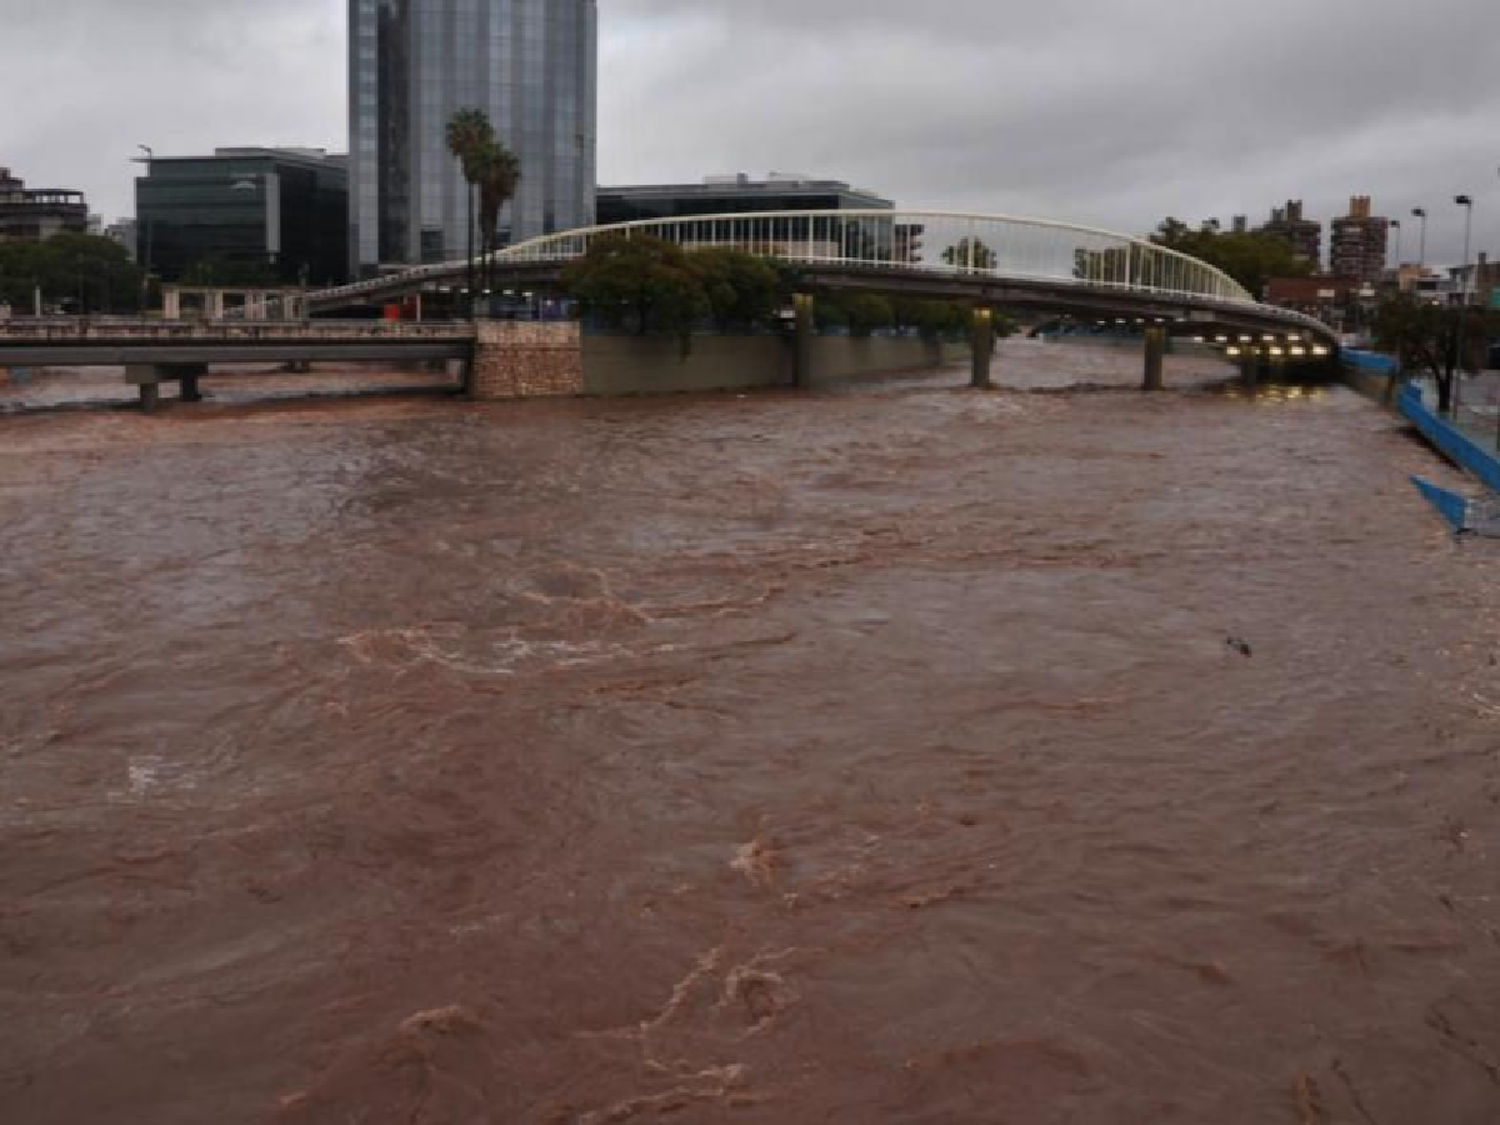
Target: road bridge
[156, 352]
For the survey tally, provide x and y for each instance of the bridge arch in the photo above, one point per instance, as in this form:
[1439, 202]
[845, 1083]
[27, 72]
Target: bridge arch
[999, 260]
[950, 243]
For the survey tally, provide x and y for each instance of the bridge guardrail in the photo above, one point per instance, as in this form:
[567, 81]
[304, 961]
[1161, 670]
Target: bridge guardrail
[932, 243]
[1003, 247]
[63, 329]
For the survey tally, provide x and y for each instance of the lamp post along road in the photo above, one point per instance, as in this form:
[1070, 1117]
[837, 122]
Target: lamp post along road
[1467, 203]
[143, 226]
[1461, 329]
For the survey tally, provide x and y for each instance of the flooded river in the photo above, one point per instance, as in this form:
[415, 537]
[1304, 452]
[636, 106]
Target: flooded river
[906, 756]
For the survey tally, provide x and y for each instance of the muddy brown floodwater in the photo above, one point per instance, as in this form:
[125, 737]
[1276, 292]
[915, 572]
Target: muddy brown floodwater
[901, 756]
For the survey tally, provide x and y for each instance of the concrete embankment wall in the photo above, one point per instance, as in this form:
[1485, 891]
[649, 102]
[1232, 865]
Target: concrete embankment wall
[1370, 373]
[632, 365]
[642, 365]
[845, 357]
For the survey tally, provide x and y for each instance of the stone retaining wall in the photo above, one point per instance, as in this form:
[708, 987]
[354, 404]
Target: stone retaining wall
[523, 359]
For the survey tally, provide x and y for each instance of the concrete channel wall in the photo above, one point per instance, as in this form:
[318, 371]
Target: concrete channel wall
[1370, 373]
[632, 365]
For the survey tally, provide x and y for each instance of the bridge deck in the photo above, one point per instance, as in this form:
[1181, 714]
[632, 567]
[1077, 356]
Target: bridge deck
[83, 343]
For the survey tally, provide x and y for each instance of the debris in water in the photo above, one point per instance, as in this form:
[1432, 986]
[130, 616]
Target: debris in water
[757, 861]
[1310, 1101]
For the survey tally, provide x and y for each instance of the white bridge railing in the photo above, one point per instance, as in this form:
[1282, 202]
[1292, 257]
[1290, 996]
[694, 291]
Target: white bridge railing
[980, 247]
[938, 242]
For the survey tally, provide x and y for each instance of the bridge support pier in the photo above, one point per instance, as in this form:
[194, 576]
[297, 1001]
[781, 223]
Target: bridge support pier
[146, 378]
[1250, 371]
[187, 376]
[982, 343]
[1156, 353]
[805, 305]
[149, 377]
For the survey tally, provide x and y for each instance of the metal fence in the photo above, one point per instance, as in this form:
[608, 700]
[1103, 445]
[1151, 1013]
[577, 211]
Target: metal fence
[985, 246]
[978, 247]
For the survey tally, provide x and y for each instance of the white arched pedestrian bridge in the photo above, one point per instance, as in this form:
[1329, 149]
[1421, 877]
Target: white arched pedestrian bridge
[1003, 261]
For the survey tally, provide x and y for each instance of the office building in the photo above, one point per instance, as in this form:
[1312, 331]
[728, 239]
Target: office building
[37, 214]
[736, 194]
[123, 232]
[1360, 242]
[273, 213]
[530, 64]
[1476, 284]
[1302, 234]
[779, 192]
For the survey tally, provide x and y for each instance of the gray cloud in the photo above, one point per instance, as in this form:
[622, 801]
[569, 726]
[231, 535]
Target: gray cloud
[1102, 111]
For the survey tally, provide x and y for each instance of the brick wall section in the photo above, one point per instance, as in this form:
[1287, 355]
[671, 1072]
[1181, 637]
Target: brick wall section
[520, 359]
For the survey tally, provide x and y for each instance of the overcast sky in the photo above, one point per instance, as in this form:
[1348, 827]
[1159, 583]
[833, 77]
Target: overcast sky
[1109, 112]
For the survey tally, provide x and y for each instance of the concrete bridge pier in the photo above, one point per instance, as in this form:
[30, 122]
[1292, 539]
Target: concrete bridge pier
[982, 343]
[805, 306]
[1250, 371]
[148, 378]
[187, 376]
[1156, 354]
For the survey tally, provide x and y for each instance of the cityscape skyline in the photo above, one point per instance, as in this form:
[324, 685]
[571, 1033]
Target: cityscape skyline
[1016, 112]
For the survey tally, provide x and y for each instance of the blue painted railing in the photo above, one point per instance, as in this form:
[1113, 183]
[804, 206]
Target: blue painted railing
[1453, 442]
[1453, 507]
[1375, 362]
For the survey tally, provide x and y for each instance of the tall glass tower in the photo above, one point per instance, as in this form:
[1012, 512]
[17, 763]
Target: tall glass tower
[531, 64]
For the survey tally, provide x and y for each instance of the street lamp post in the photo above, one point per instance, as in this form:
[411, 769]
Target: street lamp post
[1467, 203]
[143, 225]
[1421, 213]
[1461, 329]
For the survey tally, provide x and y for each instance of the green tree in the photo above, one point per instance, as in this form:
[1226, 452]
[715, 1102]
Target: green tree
[221, 271]
[492, 172]
[867, 312]
[641, 283]
[930, 318]
[983, 258]
[1440, 340]
[82, 271]
[469, 130]
[742, 289]
[1251, 259]
[499, 176]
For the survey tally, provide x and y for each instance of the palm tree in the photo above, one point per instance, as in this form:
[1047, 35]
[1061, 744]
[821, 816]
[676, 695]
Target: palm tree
[499, 173]
[470, 135]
